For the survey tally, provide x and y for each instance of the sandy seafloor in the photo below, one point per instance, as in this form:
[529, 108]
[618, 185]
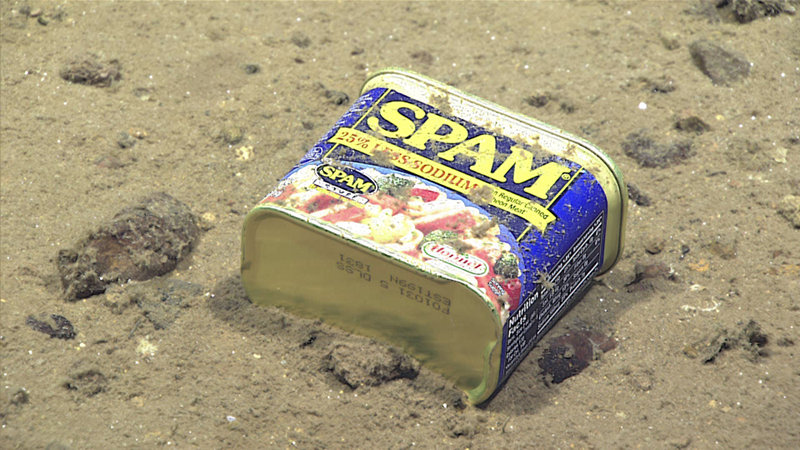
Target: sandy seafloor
[227, 374]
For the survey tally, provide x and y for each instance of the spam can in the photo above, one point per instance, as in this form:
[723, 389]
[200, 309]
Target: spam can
[439, 223]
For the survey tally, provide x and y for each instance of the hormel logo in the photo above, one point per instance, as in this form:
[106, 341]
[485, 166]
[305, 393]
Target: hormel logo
[468, 263]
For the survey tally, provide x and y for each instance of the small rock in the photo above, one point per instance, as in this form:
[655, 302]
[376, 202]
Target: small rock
[251, 69]
[670, 40]
[644, 276]
[660, 85]
[747, 337]
[87, 383]
[63, 328]
[538, 100]
[465, 425]
[723, 247]
[125, 140]
[789, 208]
[20, 397]
[161, 300]
[654, 245]
[637, 196]
[337, 97]
[301, 40]
[649, 153]
[91, 70]
[717, 63]
[141, 242]
[230, 134]
[692, 124]
[369, 364]
[567, 355]
[423, 56]
[747, 11]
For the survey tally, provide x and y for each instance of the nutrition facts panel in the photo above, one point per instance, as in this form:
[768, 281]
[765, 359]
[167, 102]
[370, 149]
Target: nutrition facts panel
[570, 274]
[556, 291]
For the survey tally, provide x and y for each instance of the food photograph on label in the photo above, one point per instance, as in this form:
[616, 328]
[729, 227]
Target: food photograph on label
[536, 224]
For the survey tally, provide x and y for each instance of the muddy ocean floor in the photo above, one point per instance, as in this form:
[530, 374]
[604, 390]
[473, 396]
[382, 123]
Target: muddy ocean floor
[116, 114]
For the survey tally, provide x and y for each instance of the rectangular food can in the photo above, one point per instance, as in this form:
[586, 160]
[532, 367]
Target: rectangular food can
[439, 223]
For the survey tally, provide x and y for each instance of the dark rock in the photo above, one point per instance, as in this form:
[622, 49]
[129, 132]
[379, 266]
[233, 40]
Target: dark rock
[60, 328]
[717, 63]
[141, 242]
[92, 71]
[746, 11]
[649, 153]
[568, 354]
[369, 364]
[637, 196]
[20, 397]
[250, 69]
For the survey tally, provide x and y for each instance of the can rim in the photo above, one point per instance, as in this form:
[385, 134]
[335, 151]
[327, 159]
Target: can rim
[526, 120]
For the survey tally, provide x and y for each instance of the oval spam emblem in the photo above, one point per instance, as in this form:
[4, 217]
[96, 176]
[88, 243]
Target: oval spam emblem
[347, 178]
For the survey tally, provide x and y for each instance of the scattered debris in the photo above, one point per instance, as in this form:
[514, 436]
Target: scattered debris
[91, 70]
[369, 364]
[141, 242]
[717, 63]
[63, 328]
[649, 153]
[568, 354]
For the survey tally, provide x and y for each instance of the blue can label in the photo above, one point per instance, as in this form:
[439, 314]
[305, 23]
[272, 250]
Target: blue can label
[522, 225]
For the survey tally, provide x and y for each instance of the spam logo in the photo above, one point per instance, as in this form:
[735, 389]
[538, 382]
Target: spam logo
[347, 178]
[451, 140]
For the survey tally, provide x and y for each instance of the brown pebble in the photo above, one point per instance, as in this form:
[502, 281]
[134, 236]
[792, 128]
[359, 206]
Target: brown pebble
[654, 245]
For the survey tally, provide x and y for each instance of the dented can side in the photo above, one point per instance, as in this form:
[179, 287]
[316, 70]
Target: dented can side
[440, 223]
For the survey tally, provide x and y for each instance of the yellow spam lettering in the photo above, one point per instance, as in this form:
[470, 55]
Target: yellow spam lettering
[353, 182]
[482, 149]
